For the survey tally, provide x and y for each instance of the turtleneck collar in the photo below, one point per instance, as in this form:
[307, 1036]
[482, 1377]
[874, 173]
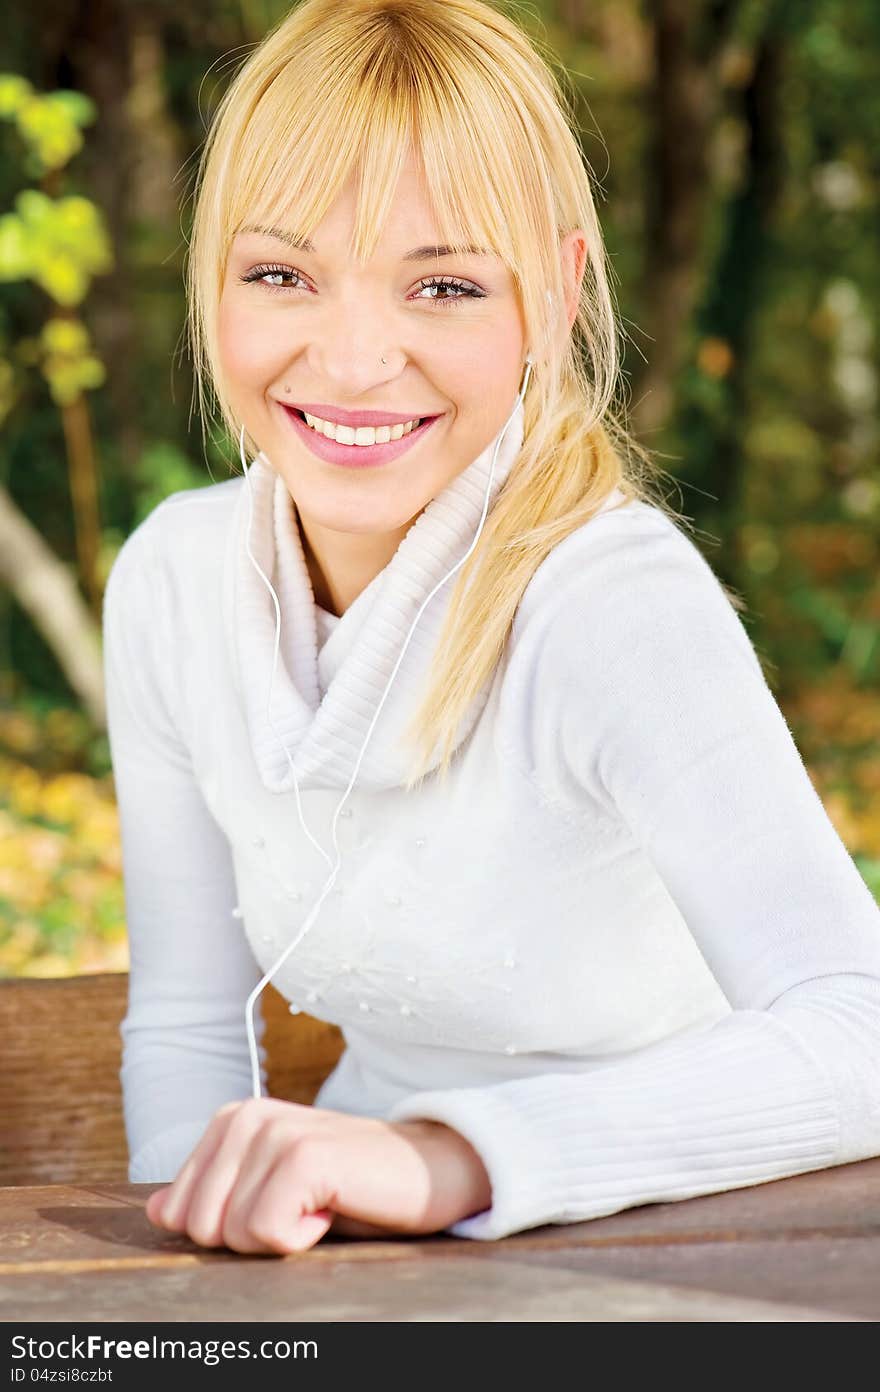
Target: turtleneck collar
[324, 736]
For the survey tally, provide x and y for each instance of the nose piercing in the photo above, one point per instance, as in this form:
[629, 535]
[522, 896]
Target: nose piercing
[384, 362]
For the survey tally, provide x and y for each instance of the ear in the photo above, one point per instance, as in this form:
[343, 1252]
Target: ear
[573, 251]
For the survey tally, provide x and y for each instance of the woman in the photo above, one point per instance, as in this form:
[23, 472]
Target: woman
[589, 935]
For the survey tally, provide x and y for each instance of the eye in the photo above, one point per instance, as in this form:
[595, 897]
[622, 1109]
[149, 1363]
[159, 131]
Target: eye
[260, 272]
[468, 291]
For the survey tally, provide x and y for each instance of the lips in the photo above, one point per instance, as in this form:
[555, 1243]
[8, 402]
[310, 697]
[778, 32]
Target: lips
[354, 456]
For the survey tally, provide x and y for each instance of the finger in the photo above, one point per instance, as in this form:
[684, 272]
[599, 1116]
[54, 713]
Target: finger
[177, 1198]
[299, 1235]
[293, 1209]
[154, 1206]
[218, 1178]
[267, 1147]
[310, 1228]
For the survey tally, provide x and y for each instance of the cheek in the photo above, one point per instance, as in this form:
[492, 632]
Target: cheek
[249, 353]
[488, 369]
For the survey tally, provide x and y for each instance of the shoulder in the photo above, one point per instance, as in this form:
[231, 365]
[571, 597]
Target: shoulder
[171, 559]
[181, 536]
[627, 540]
[627, 641]
[628, 581]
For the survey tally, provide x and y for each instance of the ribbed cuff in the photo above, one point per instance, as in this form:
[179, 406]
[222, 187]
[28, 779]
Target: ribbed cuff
[739, 1104]
[523, 1195]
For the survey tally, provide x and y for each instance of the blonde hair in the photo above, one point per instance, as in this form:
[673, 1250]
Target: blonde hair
[342, 83]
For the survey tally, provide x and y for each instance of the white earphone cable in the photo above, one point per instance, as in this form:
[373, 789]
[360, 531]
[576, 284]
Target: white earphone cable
[310, 919]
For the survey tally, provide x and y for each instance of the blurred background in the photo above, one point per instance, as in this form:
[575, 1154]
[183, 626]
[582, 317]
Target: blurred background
[735, 144]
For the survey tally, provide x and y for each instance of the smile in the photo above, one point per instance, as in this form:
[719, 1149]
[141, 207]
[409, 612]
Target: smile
[350, 455]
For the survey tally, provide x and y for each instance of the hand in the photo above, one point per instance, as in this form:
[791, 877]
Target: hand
[272, 1176]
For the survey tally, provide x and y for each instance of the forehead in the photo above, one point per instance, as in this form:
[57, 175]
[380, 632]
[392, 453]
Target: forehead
[409, 230]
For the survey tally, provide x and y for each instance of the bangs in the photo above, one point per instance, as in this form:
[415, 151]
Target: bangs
[293, 155]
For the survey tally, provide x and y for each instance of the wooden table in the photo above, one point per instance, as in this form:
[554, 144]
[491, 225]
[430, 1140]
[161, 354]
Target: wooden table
[800, 1249]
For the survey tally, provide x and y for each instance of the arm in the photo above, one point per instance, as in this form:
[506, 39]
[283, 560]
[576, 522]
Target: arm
[655, 705]
[184, 1041]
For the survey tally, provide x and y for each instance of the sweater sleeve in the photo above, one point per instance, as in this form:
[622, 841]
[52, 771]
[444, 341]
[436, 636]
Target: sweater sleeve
[184, 1038]
[653, 703]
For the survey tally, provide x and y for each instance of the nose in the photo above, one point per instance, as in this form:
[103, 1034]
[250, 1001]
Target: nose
[349, 342]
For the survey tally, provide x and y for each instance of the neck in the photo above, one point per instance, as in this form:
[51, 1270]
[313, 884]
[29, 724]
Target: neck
[341, 565]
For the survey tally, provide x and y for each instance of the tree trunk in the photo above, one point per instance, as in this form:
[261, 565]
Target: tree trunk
[88, 46]
[739, 284]
[684, 103]
[48, 593]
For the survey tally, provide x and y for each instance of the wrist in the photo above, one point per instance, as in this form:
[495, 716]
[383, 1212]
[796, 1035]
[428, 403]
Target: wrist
[458, 1161]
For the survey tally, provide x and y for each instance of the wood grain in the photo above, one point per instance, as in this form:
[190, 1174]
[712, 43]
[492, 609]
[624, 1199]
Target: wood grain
[60, 1097]
[800, 1249]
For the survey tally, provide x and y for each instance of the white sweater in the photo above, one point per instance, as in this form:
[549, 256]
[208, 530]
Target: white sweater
[624, 951]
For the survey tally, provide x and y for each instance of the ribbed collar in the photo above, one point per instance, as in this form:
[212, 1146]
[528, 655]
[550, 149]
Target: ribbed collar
[324, 736]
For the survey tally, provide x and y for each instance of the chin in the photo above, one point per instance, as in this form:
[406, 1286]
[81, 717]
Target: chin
[326, 509]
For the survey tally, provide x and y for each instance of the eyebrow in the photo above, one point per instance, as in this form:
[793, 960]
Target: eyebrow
[421, 253]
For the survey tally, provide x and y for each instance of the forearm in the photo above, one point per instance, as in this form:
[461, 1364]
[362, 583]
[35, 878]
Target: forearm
[759, 1096]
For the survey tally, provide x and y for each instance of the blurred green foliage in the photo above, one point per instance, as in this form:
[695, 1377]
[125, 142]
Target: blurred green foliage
[50, 123]
[59, 243]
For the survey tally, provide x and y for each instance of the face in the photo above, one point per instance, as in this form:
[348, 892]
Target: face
[298, 326]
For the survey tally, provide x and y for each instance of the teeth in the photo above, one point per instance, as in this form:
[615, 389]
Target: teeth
[362, 434]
